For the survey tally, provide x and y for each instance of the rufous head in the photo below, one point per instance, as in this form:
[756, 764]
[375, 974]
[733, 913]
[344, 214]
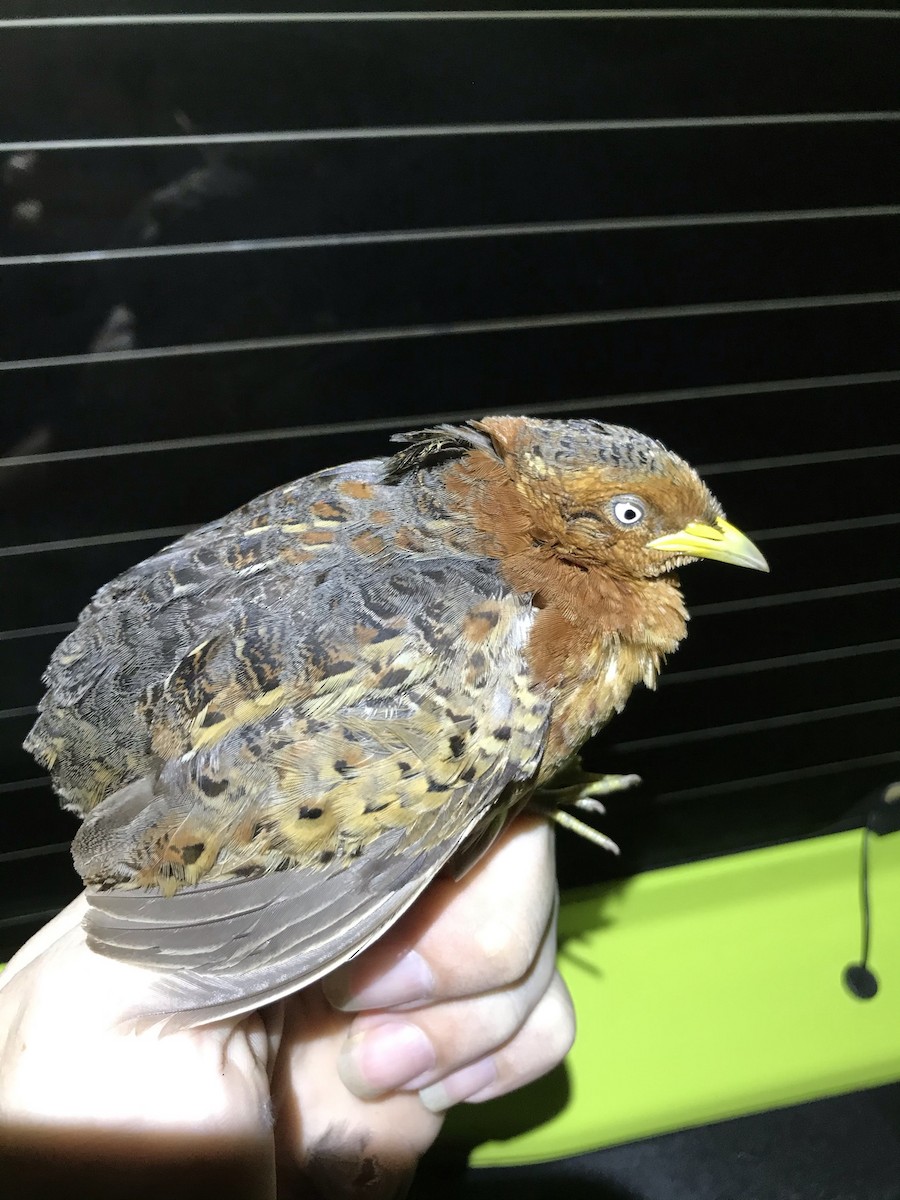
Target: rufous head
[605, 495]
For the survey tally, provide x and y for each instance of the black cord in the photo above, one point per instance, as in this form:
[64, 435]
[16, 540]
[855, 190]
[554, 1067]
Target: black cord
[884, 817]
[860, 980]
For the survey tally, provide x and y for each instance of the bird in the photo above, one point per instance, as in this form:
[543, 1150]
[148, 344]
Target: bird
[281, 728]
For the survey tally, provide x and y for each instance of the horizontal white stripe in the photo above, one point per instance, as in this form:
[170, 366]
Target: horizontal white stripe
[813, 458]
[23, 785]
[33, 852]
[817, 528]
[12, 856]
[458, 329]
[762, 725]
[9, 635]
[43, 915]
[386, 424]
[101, 539]
[458, 233]
[26, 710]
[537, 14]
[780, 662]
[480, 129]
[839, 591]
[817, 771]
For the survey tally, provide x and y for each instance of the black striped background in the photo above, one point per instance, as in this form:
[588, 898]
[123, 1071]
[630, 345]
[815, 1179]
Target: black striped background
[238, 246]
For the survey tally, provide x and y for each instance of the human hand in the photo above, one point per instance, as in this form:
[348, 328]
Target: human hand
[338, 1089]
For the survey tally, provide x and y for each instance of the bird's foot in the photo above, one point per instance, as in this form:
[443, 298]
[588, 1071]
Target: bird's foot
[576, 788]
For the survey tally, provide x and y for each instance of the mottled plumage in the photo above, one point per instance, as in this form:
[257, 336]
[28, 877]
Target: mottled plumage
[281, 727]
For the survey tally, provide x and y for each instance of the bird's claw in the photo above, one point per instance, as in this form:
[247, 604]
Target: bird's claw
[587, 804]
[583, 791]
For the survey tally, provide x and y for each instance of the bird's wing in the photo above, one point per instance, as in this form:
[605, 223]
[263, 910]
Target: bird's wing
[91, 733]
[317, 761]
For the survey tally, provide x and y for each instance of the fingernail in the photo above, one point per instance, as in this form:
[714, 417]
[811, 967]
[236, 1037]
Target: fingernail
[408, 980]
[386, 1057]
[459, 1086]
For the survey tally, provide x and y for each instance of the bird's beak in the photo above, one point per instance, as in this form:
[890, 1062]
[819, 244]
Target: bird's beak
[721, 541]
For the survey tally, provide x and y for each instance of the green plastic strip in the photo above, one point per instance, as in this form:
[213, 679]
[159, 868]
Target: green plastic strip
[710, 991]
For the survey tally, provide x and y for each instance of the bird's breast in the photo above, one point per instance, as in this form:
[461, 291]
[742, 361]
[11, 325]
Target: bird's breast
[608, 671]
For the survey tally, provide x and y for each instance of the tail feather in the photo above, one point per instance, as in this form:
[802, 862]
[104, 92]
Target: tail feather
[225, 948]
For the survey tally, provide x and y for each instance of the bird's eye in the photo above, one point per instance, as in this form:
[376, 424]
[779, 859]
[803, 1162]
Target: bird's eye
[627, 510]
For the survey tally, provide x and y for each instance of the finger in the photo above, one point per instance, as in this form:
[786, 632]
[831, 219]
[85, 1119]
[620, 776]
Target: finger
[540, 1045]
[327, 1138]
[386, 1051]
[92, 1109]
[465, 936]
[61, 1021]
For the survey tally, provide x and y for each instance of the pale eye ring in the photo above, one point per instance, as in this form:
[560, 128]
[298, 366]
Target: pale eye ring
[628, 510]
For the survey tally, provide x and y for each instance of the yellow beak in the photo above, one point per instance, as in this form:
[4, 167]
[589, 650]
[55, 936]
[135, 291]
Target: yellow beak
[720, 541]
